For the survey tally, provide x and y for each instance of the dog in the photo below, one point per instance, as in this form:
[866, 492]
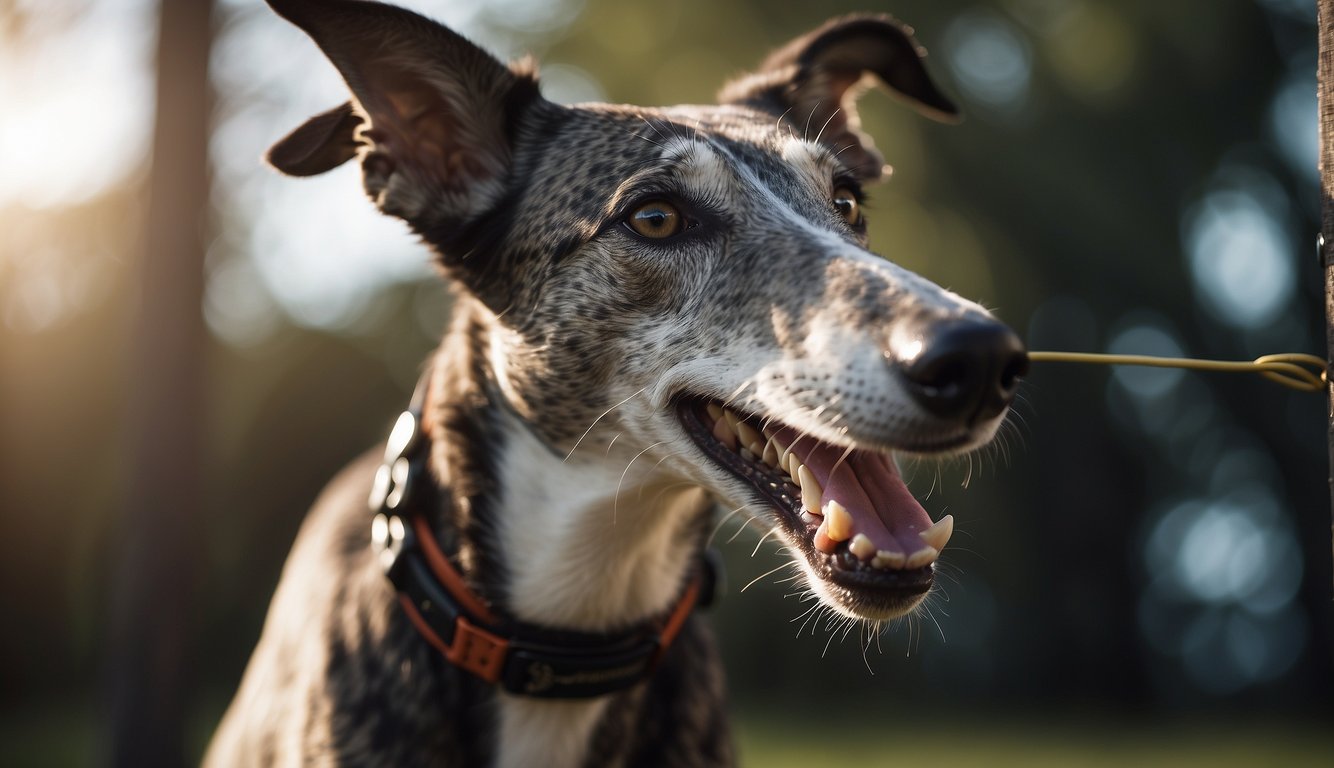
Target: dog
[659, 313]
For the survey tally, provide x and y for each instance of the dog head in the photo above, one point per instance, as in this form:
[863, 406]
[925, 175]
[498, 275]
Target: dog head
[687, 287]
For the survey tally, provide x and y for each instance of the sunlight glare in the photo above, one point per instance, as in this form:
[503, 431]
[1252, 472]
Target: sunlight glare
[77, 105]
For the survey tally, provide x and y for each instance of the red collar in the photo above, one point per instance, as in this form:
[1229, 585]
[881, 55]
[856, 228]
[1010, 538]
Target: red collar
[522, 658]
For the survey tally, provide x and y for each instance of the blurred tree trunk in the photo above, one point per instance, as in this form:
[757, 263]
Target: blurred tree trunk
[1325, 87]
[149, 669]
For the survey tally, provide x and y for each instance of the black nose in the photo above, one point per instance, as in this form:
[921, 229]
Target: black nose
[962, 369]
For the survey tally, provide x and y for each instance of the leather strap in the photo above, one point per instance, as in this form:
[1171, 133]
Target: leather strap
[521, 658]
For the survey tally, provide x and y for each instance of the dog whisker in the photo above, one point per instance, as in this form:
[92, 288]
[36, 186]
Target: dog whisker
[653, 503]
[832, 115]
[744, 525]
[763, 538]
[806, 132]
[599, 418]
[616, 498]
[769, 572]
[723, 521]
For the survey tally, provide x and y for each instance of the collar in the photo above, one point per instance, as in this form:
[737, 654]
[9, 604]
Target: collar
[523, 659]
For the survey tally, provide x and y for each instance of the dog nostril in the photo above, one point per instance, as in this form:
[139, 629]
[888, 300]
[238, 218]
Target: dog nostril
[941, 377]
[964, 369]
[1014, 370]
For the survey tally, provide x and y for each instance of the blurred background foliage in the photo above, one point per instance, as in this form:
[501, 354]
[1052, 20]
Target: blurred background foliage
[1149, 552]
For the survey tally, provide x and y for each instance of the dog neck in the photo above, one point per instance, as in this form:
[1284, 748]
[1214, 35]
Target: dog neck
[588, 548]
[587, 554]
[576, 543]
[582, 541]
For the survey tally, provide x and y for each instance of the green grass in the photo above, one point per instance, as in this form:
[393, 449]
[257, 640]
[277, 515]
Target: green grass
[1032, 742]
[68, 736]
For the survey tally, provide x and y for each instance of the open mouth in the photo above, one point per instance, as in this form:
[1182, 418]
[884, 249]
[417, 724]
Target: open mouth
[847, 509]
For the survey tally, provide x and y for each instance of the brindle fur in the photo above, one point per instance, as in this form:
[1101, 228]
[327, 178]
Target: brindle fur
[569, 339]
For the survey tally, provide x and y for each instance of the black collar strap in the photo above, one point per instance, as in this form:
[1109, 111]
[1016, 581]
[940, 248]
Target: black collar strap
[522, 658]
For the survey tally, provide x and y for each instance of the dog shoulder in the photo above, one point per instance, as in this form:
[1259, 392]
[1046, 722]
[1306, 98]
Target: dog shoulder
[332, 604]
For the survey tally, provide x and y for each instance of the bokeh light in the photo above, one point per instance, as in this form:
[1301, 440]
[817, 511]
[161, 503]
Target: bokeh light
[1239, 251]
[1294, 124]
[1146, 335]
[990, 59]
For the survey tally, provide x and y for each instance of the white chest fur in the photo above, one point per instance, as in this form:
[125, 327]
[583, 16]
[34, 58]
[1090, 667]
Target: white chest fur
[589, 546]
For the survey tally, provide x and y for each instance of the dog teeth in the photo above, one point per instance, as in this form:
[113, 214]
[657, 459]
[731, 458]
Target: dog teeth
[887, 559]
[749, 436]
[810, 488]
[923, 556]
[784, 457]
[833, 522]
[732, 430]
[822, 541]
[938, 535]
[837, 521]
[862, 547]
[724, 433]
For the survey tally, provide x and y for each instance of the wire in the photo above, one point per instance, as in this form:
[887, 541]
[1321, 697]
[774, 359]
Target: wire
[1291, 369]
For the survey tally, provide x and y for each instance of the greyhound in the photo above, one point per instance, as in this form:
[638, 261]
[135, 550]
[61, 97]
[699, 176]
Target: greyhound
[658, 312]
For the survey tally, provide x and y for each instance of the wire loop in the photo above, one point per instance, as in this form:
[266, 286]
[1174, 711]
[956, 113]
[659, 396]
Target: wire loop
[1307, 373]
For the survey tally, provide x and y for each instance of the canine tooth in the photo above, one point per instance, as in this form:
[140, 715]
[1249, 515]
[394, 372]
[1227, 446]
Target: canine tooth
[838, 520]
[770, 454]
[822, 541]
[724, 433]
[732, 419]
[888, 559]
[810, 488]
[921, 557]
[715, 411]
[939, 534]
[748, 434]
[862, 547]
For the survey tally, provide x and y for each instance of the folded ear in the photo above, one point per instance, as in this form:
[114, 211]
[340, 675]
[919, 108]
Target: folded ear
[814, 81]
[321, 144]
[431, 115]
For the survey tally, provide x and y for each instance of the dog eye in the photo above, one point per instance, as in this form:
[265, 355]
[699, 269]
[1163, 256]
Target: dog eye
[845, 202]
[657, 219]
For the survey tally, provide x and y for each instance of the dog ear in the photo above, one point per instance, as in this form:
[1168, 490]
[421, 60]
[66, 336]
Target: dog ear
[321, 144]
[431, 115]
[815, 80]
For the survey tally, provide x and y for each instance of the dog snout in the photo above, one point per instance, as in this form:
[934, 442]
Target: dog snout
[961, 369]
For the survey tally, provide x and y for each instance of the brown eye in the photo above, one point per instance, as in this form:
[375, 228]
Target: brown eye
[657, 219]
[845, 202]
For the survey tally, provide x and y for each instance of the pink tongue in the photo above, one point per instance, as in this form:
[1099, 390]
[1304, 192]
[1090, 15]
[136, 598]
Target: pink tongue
[870, 487]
